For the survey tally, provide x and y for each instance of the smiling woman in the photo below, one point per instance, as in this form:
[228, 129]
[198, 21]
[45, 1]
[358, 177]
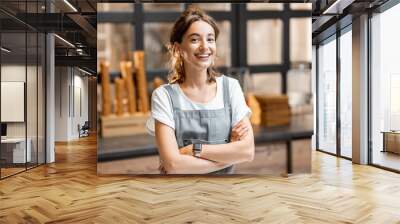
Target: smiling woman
[200, 32]
[200, 119]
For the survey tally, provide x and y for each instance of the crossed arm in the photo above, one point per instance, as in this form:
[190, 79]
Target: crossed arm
[212, 158]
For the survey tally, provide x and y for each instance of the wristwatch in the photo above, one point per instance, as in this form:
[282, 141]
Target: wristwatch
[197, 149]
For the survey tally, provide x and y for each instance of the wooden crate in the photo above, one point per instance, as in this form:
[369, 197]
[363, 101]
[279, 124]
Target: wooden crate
[266, 100]
[275, 110]
[126, 125]
[391, 142]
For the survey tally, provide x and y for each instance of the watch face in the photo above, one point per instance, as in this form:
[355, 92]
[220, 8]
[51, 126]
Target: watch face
[197, 149]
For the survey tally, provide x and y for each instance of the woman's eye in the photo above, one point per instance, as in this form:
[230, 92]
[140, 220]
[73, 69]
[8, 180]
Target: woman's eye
[194, 40]
[211, 40]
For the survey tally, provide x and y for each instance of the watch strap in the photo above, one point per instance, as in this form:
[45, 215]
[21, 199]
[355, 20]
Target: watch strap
[197, 148]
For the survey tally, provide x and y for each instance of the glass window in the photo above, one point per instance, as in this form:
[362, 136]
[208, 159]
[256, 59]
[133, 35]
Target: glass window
[31, 98]
[265, 6]
[300, 40]
[22, 92]
[299, 88]
[385, 91]
[394, 102]
[214, 6]
[267, 83]
[115, 43]
[32, 7]
[41, 98]
[13, 83]
[346, 94]
[264, 46]
[224, 44]
[15, 6]
[301, 6]
[327, 97]
[156, 37]
[42, 6]
[115, 7]
[163, 7]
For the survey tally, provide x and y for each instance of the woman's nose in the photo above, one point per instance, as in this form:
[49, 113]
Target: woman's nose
[203, 44]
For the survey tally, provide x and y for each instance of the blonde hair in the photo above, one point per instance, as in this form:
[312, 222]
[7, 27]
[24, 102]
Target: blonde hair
[189, 16]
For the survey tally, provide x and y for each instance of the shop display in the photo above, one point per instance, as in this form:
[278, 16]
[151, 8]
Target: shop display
[138, 58]
[105, 86]
[275, 110]
[131, 108]
[127, 74]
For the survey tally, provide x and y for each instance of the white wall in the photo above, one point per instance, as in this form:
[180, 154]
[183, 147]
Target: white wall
[71, 87]
[12, 73]
[62, 81]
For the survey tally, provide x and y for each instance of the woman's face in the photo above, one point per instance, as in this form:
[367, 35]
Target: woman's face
[198, 46]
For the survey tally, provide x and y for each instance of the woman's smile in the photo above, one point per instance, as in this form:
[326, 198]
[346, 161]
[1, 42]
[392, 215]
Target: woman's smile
[203, 56]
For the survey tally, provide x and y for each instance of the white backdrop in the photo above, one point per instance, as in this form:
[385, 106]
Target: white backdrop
[12, 101]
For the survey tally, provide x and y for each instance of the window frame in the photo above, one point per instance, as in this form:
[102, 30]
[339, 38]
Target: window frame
[238, 17]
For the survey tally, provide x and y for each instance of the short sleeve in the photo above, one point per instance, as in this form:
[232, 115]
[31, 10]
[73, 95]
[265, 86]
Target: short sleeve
[161, 110]
[239, 107]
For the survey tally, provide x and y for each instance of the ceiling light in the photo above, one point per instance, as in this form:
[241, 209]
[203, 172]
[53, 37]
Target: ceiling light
[337, 7]
[70, 5]
[65, 41]
[84, 71]
[5, 49]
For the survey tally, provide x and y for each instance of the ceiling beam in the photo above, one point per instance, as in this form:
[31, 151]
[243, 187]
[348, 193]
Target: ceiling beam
[337, 7]
[84, 24]
[77, 61]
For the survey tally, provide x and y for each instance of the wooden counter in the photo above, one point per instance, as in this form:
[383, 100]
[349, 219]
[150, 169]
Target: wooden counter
[118, 148]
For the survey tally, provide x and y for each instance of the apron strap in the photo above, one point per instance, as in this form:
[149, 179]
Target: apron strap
[172, 96]
[225, 84]
[227, 99]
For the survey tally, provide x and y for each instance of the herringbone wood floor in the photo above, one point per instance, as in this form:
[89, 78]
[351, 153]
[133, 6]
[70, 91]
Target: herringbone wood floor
[70, 191]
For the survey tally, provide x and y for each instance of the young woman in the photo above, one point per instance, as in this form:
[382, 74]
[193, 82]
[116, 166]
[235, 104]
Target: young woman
[200, 119]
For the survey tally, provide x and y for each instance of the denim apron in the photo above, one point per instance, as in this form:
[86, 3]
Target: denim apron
[203, 126]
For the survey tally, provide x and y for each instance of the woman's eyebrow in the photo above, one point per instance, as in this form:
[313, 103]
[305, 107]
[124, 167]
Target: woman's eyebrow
[198, 35]
[194, 34]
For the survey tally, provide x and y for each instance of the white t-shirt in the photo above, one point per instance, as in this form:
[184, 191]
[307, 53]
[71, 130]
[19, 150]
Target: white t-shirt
[161, 108]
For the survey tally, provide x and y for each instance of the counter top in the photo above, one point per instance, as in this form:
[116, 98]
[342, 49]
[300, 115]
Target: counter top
[117, 148]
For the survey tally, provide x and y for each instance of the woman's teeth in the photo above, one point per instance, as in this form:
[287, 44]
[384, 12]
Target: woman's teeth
[203, 56]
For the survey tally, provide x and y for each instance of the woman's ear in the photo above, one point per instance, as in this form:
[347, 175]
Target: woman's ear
[176, 46]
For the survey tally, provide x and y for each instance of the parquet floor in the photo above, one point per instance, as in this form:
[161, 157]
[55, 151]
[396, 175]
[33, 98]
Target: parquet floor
[70, 191]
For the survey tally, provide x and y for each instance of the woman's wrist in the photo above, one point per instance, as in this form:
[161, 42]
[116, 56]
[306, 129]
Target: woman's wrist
[187, 150]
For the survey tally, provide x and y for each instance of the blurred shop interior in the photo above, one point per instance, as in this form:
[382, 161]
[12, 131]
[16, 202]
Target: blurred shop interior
[267, 47]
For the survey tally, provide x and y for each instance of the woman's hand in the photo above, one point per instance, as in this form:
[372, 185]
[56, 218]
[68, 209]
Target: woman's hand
[239, 131]
[187, 150]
